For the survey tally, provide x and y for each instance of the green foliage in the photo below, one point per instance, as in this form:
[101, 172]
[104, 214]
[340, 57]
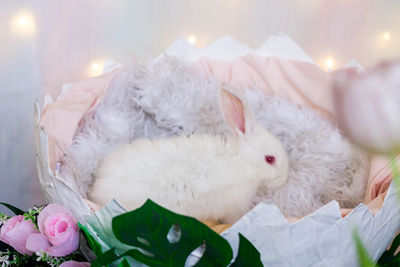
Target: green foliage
[106, 258]
[159, 237]
[389, 255]
[389, 258]
[93, 244]
[396, 175]
[248, 255]
[15, 210]
[32, 214]
[5, 247]
[3, 218]
[13, 258]
[124, 263]
[363, 257]
[147, 228]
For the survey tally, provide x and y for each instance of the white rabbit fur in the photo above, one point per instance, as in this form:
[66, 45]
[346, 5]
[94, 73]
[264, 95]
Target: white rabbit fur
[169, 98]
[203, 176]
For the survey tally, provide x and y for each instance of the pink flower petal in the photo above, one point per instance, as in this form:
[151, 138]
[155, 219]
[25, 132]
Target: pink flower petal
[62, 226]
[15, 233]
[62, 238]
[74, 264]
[59, 228]
[49, 210]
[36, 242]
[66, 248]
[51, 222]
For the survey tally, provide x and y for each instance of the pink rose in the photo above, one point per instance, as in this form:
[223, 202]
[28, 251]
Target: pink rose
[15, 232]
[74, 264]
[59, 232]
[367, 106]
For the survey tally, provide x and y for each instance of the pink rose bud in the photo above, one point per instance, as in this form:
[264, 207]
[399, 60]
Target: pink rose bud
[59, 232]
[368, 106]
[15, 232]
[74, 264]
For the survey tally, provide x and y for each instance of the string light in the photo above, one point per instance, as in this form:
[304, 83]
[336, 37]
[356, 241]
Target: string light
[387, 36]
[96, 68]
[329, 63]
[192, 39]
[23, 24]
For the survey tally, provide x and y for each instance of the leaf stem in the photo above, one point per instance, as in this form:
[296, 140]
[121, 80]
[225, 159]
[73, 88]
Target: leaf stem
[396, 175]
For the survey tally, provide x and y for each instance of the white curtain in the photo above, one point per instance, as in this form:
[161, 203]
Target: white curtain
[70, 35]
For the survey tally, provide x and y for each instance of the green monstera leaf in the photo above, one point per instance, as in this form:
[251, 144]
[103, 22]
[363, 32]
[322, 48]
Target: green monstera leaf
[167, 238]
[159, 237]
[248, 255]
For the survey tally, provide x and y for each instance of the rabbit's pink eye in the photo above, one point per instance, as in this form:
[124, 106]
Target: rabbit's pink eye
[270, 159]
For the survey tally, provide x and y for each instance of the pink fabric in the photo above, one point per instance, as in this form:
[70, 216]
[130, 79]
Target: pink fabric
[380, 177]
[60, 119]
[300, 82]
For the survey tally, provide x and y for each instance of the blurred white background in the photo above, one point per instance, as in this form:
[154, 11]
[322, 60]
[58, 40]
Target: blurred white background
[45, 43]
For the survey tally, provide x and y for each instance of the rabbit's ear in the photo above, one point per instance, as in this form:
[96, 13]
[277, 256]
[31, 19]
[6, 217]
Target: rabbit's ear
[236, 112]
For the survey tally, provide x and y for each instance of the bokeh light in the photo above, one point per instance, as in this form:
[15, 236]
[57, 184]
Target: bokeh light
[329, 63]
[387, 36]
[23, 24]
[96, 68]
[192, 39]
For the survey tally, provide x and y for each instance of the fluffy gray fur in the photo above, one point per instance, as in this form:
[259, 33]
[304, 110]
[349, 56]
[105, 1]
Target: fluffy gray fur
[168, 97]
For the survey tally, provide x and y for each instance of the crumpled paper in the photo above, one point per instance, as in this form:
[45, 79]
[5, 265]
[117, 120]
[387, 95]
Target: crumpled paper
[322, 238]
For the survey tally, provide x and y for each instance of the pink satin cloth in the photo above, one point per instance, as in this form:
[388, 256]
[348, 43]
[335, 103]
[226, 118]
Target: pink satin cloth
[61, 118]
[300, 82]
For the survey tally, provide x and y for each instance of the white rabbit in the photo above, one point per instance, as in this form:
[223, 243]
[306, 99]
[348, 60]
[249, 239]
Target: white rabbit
[204, 176]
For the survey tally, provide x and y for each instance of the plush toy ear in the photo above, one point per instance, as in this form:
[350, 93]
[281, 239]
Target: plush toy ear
[234, 111]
